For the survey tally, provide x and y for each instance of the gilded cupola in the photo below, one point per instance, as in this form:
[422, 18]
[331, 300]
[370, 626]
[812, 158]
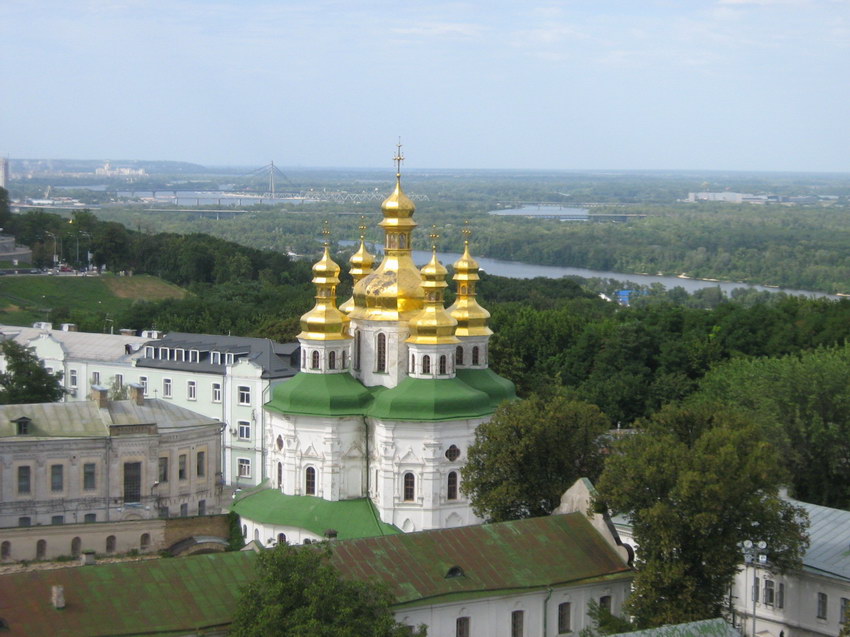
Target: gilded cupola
[433, 325]
[361, 265]
[470, 316]
[325, 322]
[393, 291]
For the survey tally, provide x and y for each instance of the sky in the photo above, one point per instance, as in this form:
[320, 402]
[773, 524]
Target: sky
[483, 84]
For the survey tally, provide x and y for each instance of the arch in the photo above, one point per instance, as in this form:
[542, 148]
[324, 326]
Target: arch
[344, 359]
[256, 535]
[314, 360]
[409, 493]
[5, 550]
[310, 481]
[381, 349]
[443, 365]
[76, 546]
[459, 355]
[245, 531]
[332, 360]
[110, 544]
[408, 526]
[451, 486]
[426, 364]
[475, 355]
[145, 542]
[41, 549]
[281, 538]
[280, 475]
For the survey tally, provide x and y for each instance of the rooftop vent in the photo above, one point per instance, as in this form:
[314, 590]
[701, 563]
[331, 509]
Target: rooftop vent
[455, 571]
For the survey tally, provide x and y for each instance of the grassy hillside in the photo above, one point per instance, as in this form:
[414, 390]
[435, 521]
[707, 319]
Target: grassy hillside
[25, 299]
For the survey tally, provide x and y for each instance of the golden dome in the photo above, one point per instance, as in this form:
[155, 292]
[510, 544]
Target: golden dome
[361, 266]
[325, 322]
[471, 318]
[433, 325]
[393, 291]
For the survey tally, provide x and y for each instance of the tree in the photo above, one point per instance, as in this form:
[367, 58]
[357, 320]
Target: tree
[530, 453]
[25, 380]
[695, 483]
[297, 591]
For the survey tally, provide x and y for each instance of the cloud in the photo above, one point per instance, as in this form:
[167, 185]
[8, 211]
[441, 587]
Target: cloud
[442, 30]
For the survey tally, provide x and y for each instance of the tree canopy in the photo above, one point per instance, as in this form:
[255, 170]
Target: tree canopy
[298, 592]
[530, 452]
[695, 483]
[25, 380]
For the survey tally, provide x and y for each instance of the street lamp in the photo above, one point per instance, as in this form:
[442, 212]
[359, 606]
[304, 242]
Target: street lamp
[55, 257]
[755, 554]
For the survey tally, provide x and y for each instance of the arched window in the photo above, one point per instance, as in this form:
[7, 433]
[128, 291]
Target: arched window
[443, 364]
[452, 453]
[451, 486]
[303, 358]
[279, 475]
[279, 443]
[344, 359]
[257, 535]
[5, 550]
[426, 364]
[76, 545]
[332, 360]
[110, 544]
[357, 350]
[409, 487]
[310, 481]
[315, 360]
[145, 541]
[382, 353]
[281, 538]
[475, 355]
[412, 368]
[459, 355]
[41, 549]
[244, 531]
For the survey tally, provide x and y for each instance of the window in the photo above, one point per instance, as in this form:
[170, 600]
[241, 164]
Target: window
[244, 395]
[459, 355]
[244, 430]
[194, 355]
[565, 619]
[332, 360]
[517, 623]
[426, 364]
[132, 482]
[381, 362]
[244, 468]
[216, 392]
[755, 591]
[163, 469]
[163, 353]
[23, 424]
[228, 358]
[310, 481]
[412, 368]
[314, 360]
[443, 364]
[357, 350]
[409, 487]
[780, 596]
[89, 476]
[215, 358]
[149, 351]
[57, 519]
[191, 390]
[344, 359]
[25, 521]
[769, 592]
[279, 475]
[462, 627]
[72, 378]
[110, 544]
[475, 355]
[823, 600]
[40, 549]
[144, 541]
[118, 380]
[844, 608]
[89, 518]
[605, 602]
[166, 388]
[57, 477]
[143, 381]
[95, 378]
[202, 507]
[452, 453]
[181, 466]
[451, 491]
[201, 464]
[24, 479]
[184, 510]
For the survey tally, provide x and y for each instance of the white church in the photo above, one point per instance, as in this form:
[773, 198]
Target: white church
[391, 388]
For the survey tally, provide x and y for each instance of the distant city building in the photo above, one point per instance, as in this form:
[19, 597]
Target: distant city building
[108, 171]
[4, 172]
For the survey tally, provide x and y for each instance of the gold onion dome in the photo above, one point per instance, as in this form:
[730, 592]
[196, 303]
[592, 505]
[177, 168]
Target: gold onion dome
[361, 265]
[471, 318]
[325, 322]
[394, 290]
[433, 325]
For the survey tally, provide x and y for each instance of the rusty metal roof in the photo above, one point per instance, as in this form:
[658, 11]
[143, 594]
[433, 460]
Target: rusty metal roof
[524, 554]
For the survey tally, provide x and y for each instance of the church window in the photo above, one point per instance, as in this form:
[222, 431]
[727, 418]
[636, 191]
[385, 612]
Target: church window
[409, 487]
[279, 475]
[451, 492]
[332, 360]
[357, 350]
[426, 364]
[475, 355]
[382, 353]
[412, 368]
[462, 627]
[517, 623]
[459, 355]
[443, 364]
[303, 358]
[310, 481]
[279, 443]
[344, 359]
[565, 616]
[452, 453]
[315, 360]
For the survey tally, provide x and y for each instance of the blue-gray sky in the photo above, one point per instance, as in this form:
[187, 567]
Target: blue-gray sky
[628, 84]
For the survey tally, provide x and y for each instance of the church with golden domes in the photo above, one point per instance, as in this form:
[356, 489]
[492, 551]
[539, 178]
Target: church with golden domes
[392, 385]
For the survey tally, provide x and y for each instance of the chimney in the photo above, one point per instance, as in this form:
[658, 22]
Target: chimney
[57, 597]
[69, 327]
[137, 393]
[124, 331]
[99, 395]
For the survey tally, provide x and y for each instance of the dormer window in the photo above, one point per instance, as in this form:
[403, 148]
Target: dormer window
[163, 353]
[149, 351]
[229, 358]
[215, 358]
[180, 355]
[454, 571]
[194, 355]
[22, 425]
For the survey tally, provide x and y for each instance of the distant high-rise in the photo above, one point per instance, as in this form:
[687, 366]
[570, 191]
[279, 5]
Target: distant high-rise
[4, 172]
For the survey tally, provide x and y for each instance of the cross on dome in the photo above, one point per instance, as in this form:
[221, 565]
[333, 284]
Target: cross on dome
[398, 158]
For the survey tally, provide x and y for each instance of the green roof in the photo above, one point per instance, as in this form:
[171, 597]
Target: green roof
[429, 400]
[350, 518]
[320, 395]
[497, 388]
[708, 627]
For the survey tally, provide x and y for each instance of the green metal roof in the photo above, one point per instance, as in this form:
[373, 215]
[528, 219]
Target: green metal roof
[708, 627]
[320, 395]
[509, 556]
[497, 388]
[429, 400]
[350, 518]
